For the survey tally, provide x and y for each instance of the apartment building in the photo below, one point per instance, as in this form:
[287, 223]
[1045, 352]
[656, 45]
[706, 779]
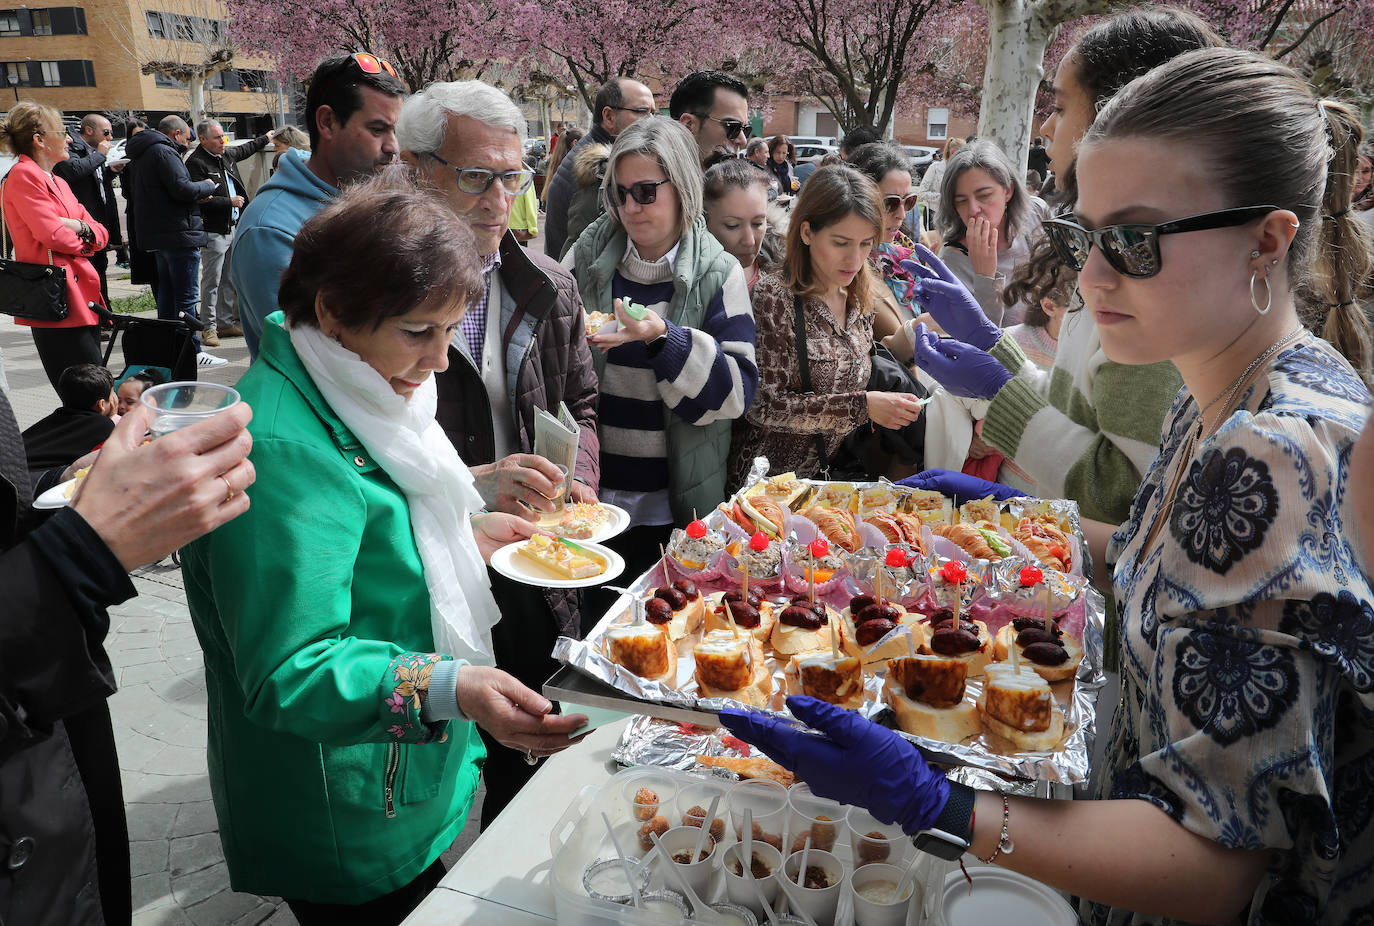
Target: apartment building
[89, 58]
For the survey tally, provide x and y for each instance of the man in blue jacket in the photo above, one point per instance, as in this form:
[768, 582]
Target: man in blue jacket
[167, 219]
[351, 111]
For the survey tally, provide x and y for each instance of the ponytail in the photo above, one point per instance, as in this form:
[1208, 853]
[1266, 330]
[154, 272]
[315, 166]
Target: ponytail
[1341, 268]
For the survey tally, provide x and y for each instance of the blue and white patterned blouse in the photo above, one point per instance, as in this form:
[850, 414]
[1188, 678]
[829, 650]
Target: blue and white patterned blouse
[1247, 681]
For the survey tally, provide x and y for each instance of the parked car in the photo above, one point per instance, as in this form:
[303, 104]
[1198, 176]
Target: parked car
[806, 154]
[812, 140]
[921, 158]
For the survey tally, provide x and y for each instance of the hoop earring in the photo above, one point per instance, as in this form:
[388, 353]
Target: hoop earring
[1268, 293]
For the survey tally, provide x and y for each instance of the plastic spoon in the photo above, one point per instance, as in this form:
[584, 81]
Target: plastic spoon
[793, 901]
[630, 874]
[908, 875]
[747, 863]
[705, 828]
[700, 911]
[806, 857]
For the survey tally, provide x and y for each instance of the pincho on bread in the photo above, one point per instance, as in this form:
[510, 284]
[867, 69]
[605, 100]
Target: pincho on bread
[928, 695]
[730, 666]
[836, 524]
[965, 640]
[822, 674]
[868, 619]
[1039, 641]
[644, 650]
[562, 560]
[802, 626]
[785, 488]
[754, 614]
[1018, 706]
[677, 610]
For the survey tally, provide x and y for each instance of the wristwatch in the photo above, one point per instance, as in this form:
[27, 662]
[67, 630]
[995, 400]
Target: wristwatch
[952, 832]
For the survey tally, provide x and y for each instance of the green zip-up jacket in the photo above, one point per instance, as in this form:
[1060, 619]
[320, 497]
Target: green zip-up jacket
[312, 611]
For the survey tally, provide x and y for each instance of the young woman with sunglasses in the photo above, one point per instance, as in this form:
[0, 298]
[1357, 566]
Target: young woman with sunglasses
[1240, 760]
[987, 218]
[805, 408]
[675, 377]
[1089, 428]
[887, 165]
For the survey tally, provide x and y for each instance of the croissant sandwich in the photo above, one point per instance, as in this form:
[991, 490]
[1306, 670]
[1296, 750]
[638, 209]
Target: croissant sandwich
[899, 527]
[1048, 543]
[836, 524]
[980, 542]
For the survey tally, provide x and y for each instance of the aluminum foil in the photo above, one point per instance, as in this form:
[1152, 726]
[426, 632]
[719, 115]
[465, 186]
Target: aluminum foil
[647, 741]
[1068, 765]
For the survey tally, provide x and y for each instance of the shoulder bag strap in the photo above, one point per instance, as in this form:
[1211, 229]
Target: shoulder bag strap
[799, 330]
[4, 229]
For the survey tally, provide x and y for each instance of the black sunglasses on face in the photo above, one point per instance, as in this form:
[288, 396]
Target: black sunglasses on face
[644, 192]
[893, 203]
[731, 127]
[1133, 250]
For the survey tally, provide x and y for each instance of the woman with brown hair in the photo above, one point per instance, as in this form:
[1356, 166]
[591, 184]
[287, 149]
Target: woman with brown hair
[49, 226]
[569, 137]
[779, 152]
[815, 334]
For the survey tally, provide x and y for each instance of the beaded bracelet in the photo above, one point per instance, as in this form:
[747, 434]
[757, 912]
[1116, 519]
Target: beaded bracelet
[1004, 843]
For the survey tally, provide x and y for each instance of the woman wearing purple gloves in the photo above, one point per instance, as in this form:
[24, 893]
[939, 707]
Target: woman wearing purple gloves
[1241, 758]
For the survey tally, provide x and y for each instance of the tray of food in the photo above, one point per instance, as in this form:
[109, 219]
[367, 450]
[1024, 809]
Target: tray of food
[970, 629]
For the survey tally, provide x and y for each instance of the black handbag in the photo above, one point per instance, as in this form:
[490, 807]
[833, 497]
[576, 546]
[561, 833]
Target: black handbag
[36, 292]
[887, 374]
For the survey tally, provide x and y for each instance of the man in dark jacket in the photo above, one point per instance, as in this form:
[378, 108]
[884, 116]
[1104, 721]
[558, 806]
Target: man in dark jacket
[213, 160]
[92, 181]
[619, 104]
[64, 840]
[530, 313]
[168, 218]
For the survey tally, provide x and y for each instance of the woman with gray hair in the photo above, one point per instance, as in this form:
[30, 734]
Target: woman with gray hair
[987, 219]
[676, 366]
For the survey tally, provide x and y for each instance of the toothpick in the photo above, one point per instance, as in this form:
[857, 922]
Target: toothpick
[1015, 649]
[1049, 607]
[812, 554]
[745, 570]
[910, 643]
[834, 643]
[958, 601]
[730, 616]
[694, 515]
[878, 581]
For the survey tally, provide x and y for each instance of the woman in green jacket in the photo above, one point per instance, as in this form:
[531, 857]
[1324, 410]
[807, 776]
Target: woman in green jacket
[346, 617]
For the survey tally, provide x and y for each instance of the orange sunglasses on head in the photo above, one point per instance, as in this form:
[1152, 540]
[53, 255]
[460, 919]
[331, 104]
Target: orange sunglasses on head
[371, 64]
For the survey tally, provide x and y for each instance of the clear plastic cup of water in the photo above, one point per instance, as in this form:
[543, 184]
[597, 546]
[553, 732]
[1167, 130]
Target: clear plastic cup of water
[180, 405]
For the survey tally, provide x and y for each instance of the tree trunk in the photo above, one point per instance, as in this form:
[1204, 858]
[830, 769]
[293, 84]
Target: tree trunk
[1017, 38]
[196, 87]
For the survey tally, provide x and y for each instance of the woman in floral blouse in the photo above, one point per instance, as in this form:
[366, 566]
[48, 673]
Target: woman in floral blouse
[1241, 757]
[803, 410]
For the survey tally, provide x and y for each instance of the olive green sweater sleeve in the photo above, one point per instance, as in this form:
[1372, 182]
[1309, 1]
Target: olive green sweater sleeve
[1090, 428]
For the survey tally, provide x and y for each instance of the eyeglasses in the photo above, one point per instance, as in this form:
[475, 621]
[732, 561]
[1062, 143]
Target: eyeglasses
[1133, 250]
[640, 111]
[644, 192]
[894, 203]
[731, 127]
[371, 64]
[475, 181]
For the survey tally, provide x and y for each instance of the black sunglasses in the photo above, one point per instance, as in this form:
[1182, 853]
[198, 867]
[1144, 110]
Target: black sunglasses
[644, 192]
[731, 127]
[893, 203]
[1133, 250]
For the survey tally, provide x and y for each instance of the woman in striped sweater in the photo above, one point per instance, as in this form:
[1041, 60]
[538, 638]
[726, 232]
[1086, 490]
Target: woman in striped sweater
[677, 367]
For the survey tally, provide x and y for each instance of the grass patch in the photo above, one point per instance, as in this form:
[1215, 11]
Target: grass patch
[134, 305]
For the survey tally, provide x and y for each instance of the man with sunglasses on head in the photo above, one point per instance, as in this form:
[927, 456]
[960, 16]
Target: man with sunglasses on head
[619, 104]
[464, 139]
[351, 109]
[715, 108]
[92, 182]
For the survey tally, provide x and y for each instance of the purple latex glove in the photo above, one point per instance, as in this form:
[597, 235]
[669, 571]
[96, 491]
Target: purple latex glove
[961, 486]
[961, 368]
[949, 302]
[856, 761]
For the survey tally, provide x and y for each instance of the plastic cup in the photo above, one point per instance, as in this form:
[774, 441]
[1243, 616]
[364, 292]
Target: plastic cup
[809, 815]
[559, 499]
[180, 405]
[876, 878]
[873, 841]
[646, 797]
[694, 801]
[820, 903]
[737, 887]
[683, 839]
[604, 880]
[768, 802]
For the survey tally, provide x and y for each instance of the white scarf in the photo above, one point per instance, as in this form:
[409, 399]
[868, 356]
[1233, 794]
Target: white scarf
[411, 448]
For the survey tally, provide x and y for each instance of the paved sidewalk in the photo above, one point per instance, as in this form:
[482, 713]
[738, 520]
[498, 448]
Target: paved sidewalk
[179, 874]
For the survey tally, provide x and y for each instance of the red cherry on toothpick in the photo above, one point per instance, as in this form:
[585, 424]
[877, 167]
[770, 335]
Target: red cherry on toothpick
[954, 572]
[759, 542]
[696, 529]
[1031, 575]
[820, 547]
[896, 558]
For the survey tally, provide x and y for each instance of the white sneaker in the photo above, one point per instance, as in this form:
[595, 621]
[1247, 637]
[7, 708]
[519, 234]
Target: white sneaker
[210, 360]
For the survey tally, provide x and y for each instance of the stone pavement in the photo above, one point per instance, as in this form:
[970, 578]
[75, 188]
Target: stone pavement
[179, 874]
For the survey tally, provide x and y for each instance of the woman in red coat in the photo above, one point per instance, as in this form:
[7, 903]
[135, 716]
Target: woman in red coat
[47, 224]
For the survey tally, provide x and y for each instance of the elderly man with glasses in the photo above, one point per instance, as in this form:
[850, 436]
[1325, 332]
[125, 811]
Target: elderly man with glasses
[521, 349]
[715, 108]
[619, 104]
[91, 178]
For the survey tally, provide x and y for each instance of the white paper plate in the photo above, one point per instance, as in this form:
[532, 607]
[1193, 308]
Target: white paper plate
[522, 570]
[1001, 896]
[619, 521]
[56, 497]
